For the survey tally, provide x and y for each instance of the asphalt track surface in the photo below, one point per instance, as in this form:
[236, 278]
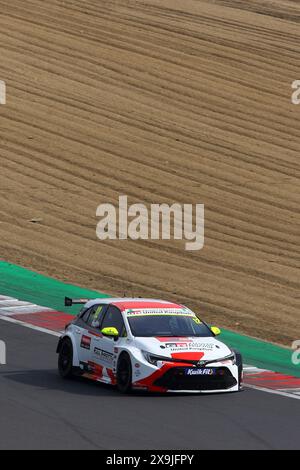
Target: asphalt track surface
[39, 410]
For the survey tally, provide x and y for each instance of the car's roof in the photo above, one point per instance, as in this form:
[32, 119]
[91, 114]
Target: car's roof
[125, 303]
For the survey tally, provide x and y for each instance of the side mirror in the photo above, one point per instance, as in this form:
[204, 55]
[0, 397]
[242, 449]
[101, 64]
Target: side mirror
[110, 332]
[215, 330]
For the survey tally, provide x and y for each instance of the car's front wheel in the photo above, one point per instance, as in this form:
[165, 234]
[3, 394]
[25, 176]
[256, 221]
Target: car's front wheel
[65, 359]
[124, 373]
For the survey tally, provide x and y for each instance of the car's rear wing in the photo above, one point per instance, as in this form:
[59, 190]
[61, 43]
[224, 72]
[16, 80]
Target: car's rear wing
[69, 302]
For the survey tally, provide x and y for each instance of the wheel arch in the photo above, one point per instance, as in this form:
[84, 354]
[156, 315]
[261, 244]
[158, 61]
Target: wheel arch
[124, 388]
[75, 352]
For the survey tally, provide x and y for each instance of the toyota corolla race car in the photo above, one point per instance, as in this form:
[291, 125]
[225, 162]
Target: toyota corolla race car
[147, 344]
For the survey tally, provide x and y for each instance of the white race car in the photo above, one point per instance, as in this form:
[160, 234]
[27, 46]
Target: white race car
[147, 344]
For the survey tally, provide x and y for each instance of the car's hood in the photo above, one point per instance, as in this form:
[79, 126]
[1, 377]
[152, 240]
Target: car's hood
[193, 348]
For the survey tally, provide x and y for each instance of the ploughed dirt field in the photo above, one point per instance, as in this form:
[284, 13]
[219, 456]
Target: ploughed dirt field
[164, 101]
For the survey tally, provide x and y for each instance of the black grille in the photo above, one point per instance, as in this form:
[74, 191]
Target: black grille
[176, 379]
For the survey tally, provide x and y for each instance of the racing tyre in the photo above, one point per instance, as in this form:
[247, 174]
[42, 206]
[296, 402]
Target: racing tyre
[65, 359]
[124, 374]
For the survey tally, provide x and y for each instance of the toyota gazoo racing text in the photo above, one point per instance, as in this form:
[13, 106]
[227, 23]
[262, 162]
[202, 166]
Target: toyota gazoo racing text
[146, 344]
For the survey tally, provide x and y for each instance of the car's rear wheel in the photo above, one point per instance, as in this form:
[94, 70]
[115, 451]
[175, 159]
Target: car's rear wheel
[65, 359]
[124, 373]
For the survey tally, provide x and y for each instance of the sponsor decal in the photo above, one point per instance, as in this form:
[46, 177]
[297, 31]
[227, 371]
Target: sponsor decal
[173, 346]
[85, 342]
[200, 371]
[159, 311]
[175, 339]
[87, 366]
[180, 346]
[92, 370]
[104, 356]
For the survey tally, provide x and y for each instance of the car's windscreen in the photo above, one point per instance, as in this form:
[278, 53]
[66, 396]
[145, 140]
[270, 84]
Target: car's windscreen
[168, 325]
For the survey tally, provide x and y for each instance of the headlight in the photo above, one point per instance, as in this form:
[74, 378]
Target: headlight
[154, 359]
[230, 359]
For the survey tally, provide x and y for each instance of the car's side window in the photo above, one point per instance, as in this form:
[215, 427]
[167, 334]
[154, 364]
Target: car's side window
[113, 318]
[86, 314]
[96, 316]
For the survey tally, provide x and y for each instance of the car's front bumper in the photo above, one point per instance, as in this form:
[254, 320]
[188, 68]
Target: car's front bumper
[173, 378]
[176, 379]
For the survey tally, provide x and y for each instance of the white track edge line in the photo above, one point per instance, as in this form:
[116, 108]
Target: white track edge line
[32, 327]
[274, 392]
